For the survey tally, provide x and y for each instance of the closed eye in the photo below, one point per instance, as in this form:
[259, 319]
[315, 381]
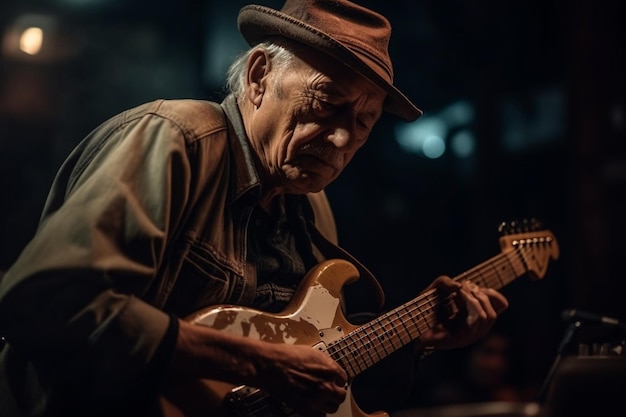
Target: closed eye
[326, 107]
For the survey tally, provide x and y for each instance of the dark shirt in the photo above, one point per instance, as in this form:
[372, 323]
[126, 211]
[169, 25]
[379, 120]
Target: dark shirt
[282, 254]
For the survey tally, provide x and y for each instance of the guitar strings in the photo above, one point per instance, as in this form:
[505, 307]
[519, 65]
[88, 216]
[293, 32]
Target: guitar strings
[419, 328]
[409, 309]
[387, 343]
[346, 349]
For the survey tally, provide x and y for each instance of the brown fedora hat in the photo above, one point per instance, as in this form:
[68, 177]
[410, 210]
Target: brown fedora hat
[354, 35]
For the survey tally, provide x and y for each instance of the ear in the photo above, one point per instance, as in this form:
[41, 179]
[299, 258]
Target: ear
[258, 68]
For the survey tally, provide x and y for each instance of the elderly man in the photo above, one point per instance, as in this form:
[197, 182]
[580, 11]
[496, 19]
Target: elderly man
[175, 206]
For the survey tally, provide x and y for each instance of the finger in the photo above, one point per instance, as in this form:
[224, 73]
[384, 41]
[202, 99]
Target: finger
[485, 303]
[337, 374]
[333, 405]
[497, 300]
[328, 399]
[491, 300]
[493, 303]
[473, 317]
[473, 306]
[445, 283]
[341, 383]
[342, 378]
[480, 314]
[436, 335]
[489, 317]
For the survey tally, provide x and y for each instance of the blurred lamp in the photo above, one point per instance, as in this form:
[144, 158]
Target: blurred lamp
[35, 38]
[31, 40]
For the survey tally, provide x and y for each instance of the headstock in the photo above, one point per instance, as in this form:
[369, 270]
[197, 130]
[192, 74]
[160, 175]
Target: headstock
[534, 244]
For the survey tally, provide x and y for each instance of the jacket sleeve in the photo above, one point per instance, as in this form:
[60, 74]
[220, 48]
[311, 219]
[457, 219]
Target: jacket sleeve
[71, 303]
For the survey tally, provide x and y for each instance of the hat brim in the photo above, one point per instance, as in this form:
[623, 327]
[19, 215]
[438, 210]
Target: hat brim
[257, 23]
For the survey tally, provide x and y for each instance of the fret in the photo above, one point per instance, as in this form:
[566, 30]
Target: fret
[390, 330]
[521, 265]
[355, 355]
[433, 304]
[507, 271]
[422, 316]
[405, 335]
[374, 343]
[485, 275]
[346, 362]
[481, 278]
[497, 275]
[465, 276]
[367, 348]
[382, 338]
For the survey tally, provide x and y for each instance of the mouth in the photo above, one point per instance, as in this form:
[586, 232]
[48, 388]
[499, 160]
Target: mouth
[325, 154]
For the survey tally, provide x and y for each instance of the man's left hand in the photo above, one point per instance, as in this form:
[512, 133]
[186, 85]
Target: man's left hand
[478, 309]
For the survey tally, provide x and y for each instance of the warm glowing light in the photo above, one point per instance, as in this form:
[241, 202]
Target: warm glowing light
[31, 40]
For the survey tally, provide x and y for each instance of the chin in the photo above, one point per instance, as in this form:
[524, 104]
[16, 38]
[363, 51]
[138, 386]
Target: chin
[306, 189]
[308, 185]
[302, 181]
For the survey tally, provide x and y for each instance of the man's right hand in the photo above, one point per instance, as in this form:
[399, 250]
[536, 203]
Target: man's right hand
[302, 377]
[306, 379]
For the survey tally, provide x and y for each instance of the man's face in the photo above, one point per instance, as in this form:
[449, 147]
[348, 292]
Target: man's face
[311, 122]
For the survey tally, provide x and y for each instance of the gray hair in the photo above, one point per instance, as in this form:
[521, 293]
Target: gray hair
[281, 59]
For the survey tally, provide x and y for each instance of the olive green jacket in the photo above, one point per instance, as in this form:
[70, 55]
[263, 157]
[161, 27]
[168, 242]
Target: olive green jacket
[146, 220]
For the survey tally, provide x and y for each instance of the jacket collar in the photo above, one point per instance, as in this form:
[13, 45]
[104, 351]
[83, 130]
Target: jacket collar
[247, 181]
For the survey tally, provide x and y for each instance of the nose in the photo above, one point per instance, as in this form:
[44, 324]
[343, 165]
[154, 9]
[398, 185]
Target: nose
[340, 137]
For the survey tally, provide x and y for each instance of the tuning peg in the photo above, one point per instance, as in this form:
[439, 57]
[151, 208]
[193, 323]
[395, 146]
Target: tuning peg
[507, 228]
[531, 225]
[517, 226]
[536, 224]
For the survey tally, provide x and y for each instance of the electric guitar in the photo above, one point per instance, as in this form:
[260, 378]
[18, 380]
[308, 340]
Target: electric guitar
[315, 318]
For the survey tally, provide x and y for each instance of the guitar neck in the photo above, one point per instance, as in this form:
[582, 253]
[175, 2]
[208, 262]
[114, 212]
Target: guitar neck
[367, 345]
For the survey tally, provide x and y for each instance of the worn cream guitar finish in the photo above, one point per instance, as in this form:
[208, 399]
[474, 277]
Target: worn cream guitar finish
[315, 318]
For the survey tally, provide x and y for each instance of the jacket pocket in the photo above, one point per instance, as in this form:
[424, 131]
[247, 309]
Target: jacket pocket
[201, 282]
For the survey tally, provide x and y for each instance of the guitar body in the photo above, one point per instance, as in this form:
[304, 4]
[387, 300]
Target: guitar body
[313, 318]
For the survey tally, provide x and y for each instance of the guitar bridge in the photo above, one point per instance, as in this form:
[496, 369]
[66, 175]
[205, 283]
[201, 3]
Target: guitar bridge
[245, 401]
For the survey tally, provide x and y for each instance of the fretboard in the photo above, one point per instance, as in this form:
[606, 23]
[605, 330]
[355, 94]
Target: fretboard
[367, 345]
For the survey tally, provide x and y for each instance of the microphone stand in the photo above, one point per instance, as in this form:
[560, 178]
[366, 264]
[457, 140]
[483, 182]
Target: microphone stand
[567, 338]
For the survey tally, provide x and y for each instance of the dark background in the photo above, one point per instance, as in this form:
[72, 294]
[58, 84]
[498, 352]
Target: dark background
[544, 79]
